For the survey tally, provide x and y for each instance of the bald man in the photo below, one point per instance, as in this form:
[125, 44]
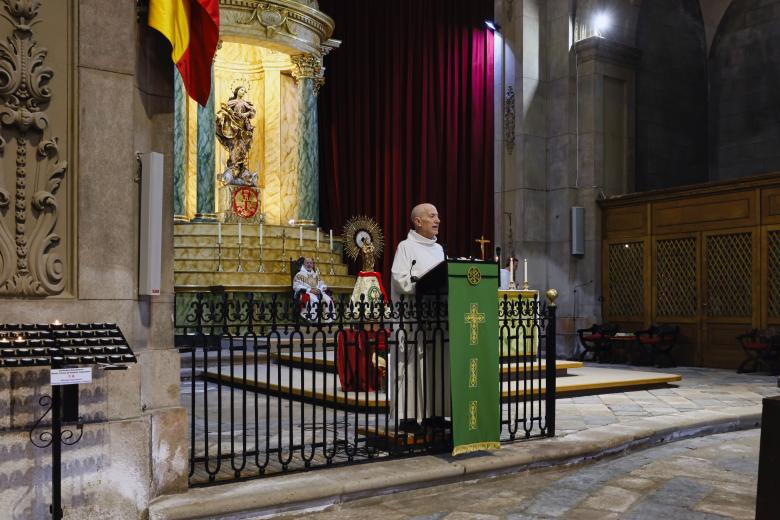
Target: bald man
[417, 400]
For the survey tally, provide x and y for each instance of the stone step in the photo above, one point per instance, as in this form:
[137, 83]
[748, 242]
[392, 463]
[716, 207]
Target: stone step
[249, 280]
[251, 264]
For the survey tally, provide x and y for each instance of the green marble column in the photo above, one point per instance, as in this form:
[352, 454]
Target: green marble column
[179, 143]
[308, 153]
[206, 136]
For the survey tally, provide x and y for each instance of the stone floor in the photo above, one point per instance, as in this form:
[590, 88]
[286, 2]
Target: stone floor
[700, 388]
[703, 478]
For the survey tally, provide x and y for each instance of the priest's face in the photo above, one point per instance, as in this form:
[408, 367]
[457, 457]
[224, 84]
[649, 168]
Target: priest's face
[308, 264]
[427, 221]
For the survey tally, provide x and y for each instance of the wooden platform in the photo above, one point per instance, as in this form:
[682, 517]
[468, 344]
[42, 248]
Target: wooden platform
[327, 361]
[323, 388]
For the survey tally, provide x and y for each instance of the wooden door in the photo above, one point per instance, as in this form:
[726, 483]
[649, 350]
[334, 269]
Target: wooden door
[677, 291]
[770, 276]
[626, 283]
[730, 293]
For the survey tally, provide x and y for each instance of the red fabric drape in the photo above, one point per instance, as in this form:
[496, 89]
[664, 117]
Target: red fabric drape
[406, 116]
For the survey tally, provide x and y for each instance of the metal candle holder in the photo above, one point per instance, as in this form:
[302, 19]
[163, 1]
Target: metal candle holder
[219, 257]
[239, 269]
[261, 268]
[330, 259]
[284, 264]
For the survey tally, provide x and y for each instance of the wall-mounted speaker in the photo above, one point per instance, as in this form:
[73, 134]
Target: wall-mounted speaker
[151, 224]
[577, 230]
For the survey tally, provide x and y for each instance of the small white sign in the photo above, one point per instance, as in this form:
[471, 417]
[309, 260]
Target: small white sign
[71, 376]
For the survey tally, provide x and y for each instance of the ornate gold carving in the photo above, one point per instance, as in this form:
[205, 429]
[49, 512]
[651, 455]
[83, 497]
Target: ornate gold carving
[308, 66]
[292, 23]
[474, 319]
[29, 262]
[509, 119]
[363, 237]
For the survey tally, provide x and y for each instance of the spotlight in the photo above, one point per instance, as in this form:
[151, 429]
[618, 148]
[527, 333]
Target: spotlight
[601, 23]
[493, 26]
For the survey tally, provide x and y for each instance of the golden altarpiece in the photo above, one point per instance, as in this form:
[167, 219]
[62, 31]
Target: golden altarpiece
[246, 166]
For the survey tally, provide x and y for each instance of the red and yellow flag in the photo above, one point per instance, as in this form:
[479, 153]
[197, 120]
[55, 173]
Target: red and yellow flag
[192, 27]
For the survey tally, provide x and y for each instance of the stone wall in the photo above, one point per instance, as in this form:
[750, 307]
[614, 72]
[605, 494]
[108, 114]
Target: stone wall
[671, 95]
[134, 447]
[744, 71]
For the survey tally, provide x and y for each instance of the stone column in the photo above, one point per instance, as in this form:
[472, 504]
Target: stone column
[179, 145]
[205, 151]
[604, 147]
[307, 71]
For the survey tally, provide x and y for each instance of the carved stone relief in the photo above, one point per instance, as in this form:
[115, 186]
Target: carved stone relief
[31, 263]
[509, 119]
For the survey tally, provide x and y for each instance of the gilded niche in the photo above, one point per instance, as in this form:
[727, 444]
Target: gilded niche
[30, 263]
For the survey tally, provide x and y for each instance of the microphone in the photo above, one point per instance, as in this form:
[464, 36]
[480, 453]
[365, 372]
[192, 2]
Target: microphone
[413, 278]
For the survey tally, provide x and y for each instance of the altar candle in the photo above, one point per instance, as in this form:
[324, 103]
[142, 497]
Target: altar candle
[318, 239]
[261, 233]
[300, 236]
[239, 232]
[511, 271]
[525, 270]
[219, 232]
[331, 240]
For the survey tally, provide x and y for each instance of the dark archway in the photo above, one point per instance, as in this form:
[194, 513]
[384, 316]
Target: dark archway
[671, 110]
[744, 113]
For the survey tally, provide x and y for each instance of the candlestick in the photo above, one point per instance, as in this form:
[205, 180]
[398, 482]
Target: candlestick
[318, 239]
[261, 233]
[300, 237]
[284, 260]
[512, 273]
[239, 233]
[525, 270]
[219, 256]
[239, 268]
[219, 232]
[331, 240]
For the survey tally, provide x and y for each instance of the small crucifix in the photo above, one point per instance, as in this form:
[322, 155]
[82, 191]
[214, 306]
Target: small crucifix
[481, 241]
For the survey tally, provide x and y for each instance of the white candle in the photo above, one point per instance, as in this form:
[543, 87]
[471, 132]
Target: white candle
[318, 239]
[511, 271]
[331, 240]
[261, 233]
[300, 236]
[239, 232]
[525, 270]
[219, 232]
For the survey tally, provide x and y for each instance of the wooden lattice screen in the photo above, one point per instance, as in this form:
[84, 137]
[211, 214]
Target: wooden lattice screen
[626, 279]
[676, 277]
[729, 269]
[773, 274]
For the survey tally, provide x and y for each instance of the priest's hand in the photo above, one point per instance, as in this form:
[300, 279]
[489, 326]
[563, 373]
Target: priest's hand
[315, 291]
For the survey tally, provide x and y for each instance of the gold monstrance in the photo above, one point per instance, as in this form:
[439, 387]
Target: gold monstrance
[363, 238]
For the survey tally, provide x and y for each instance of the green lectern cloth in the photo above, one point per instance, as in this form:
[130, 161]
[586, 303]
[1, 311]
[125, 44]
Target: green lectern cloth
[473, 332]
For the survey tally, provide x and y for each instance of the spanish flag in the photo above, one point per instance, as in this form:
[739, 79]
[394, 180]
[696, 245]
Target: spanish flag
[192, 27]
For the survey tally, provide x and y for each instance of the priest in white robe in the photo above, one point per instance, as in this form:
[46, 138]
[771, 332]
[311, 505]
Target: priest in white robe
[414, 368]
[308, 280]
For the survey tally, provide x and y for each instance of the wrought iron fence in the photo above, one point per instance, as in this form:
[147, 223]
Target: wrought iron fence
[273, 387]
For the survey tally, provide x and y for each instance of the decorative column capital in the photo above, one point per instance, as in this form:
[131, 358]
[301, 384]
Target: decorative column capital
[308, 66]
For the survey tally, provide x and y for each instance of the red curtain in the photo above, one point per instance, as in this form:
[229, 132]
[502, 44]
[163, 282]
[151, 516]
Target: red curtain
[406, 116]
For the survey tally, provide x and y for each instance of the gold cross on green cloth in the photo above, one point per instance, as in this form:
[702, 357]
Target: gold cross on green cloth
[473, 319]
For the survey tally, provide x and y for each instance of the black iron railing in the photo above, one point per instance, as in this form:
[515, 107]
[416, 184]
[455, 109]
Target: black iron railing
[274, 387]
